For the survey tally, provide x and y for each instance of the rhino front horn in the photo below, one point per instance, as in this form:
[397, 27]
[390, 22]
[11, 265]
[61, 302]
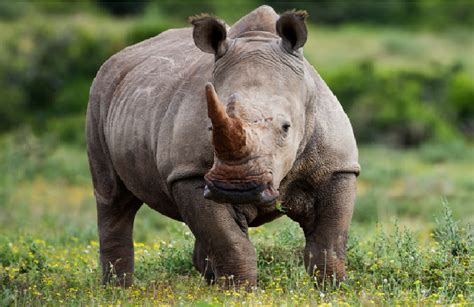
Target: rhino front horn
[228, 133]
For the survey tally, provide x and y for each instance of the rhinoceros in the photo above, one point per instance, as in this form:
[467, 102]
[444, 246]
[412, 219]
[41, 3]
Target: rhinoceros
[222, 128]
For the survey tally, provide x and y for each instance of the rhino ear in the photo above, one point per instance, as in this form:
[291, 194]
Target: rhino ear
[292, 29]
[210, 34]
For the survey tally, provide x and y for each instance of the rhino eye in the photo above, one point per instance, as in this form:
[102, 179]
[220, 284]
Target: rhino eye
[286, 127]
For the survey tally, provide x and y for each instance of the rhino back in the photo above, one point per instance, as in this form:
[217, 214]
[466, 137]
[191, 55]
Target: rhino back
[151, 101]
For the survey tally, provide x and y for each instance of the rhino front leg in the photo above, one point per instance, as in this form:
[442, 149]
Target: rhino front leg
[115, 223]
[221, 236]
[201, 261]
[326, 236]
[324, 212]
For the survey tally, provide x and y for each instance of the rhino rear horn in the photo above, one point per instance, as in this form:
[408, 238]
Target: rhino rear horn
[228, 133]
[292, 29]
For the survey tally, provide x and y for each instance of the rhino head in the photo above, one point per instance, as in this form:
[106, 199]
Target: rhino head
[257, 106]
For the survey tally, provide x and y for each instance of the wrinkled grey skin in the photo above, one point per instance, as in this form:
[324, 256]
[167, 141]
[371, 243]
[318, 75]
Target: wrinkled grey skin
[149, 142]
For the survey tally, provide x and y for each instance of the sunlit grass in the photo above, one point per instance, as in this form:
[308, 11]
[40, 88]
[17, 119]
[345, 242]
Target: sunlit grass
[397, 253]
[384, 268]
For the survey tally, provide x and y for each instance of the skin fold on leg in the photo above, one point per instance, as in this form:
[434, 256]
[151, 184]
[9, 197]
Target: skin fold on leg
[221, 237]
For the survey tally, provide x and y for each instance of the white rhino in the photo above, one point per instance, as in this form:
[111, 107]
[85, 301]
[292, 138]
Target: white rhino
[212, 125]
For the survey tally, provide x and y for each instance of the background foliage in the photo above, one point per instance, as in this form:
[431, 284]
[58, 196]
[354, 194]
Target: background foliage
[404, 73]
[52, 50]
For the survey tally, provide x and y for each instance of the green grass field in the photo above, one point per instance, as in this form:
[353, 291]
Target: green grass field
[397, 253]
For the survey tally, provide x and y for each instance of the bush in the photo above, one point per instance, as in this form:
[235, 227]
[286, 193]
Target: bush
[437, 13]
[461, 94]
[12, 9]
[404, 107]
[146, 29]
[122, 8]
[47, 67]
[68, 129]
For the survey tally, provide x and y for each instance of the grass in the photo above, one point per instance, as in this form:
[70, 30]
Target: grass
[412, 184]
[398, 252]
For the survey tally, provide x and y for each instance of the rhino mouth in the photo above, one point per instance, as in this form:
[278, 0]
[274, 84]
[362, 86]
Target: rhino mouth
[240, 192]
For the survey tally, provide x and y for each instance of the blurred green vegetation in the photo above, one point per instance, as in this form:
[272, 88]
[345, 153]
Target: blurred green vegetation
[406, 107]
[402, 86]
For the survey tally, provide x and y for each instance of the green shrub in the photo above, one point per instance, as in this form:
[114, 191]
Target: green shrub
[72, 97]
[12, 106]
[121, 8]
[461, 95]
[68, 129]
[10, 10]
[146, 29]
[402, 107]
[46, 68]
[436, 13]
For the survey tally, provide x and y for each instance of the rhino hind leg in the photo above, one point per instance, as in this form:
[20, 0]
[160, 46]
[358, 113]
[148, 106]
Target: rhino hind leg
[221, 237]
[325, 222]
[116, 209]
[116, 212]
[115, 223]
